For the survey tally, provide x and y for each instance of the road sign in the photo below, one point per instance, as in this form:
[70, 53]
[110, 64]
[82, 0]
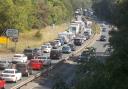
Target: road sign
[4, 40]
[12, 33]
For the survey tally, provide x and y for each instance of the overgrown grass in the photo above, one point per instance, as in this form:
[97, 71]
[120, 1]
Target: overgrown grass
[96, 28]
[28, 38]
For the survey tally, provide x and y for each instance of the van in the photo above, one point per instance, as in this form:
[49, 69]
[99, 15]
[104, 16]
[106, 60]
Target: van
[29, 52]
[55, 54]
[24, 68]
[78, 41]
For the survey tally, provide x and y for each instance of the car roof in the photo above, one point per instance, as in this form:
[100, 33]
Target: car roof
[55, 50]
[44, 45]
[22, 63]
[42, 56]
[10, 69]
[66, 46]
[19, 54]
[29, 49]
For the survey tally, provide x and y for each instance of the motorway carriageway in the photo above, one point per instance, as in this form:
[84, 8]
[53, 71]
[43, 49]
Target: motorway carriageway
[67, 71]
[10, 85]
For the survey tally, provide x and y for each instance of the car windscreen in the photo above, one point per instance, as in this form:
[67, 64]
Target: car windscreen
[16, 56]
[2, 61]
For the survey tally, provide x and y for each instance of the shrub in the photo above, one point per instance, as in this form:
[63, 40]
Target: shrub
[38, 35]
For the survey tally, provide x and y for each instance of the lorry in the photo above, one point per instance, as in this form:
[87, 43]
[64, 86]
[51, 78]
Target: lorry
[81, 24]
[87, 32]
[67, 36]
[78, 41]
[74, 28]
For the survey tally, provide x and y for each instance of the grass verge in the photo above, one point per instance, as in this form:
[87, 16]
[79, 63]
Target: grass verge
[28, 38]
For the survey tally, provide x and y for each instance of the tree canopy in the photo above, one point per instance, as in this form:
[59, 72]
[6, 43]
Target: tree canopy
[114, 73]
[27, 14]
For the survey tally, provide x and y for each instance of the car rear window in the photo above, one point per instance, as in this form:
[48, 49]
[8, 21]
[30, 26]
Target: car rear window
[8, 71]
[28, 51]
[2, 61]
[17, 56]
[21, 65]
[42, 57]
[36, 61]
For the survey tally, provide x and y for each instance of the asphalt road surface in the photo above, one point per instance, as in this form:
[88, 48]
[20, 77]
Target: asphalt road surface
[10, 84]
[66, 71]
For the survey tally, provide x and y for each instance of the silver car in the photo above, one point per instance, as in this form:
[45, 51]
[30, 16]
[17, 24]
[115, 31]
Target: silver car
[46, 60]
[4, 64]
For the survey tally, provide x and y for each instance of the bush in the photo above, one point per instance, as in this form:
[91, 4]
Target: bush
[38, 35]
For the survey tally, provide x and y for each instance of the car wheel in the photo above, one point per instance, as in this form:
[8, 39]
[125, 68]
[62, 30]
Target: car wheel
[3, 88]
[16, 80]
[28, 74]
[31, 72]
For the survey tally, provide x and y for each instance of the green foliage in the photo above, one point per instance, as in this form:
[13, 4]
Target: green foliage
[27, 14]
[38, 35]
[114, 73]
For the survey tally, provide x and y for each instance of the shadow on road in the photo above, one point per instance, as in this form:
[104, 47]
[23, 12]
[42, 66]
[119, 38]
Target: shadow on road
[65, 72]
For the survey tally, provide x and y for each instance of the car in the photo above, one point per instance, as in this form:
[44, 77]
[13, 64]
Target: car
[4, 64]
[86, 34]
[46, 48]
[78, 41]
[85, 56]
[24, 68]
[19, 58]
[61, 40]
[54, 45]
[11, 75]
[72, 46]
[103, 38]
[45, 59]
[2, 83]
[66, 49]
[48, 44]
[83, 37]
[58, 42]
[55, 54]
[37, 52]
[36, 64]
[103, 29]
[29, 52]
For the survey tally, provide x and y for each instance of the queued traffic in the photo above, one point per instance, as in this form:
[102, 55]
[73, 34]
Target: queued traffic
[35, 59]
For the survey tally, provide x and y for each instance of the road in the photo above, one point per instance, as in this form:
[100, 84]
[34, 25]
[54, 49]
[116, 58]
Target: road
[9, 85]
[66, 71]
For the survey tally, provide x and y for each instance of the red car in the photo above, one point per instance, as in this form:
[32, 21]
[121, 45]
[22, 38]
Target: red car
[2, 83]
[36, 64]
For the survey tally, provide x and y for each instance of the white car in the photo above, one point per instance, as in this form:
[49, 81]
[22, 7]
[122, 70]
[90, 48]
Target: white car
[11, 75]
[49, 45]
[46, 60]
[19, 58]
[46, 48]
[58, 42]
